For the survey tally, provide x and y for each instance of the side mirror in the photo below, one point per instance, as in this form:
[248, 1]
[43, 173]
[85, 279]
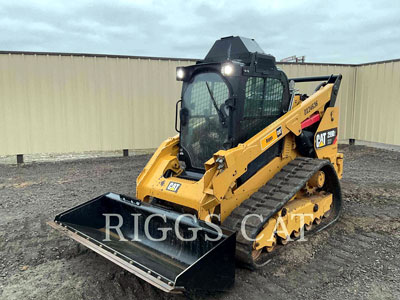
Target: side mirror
[176, 115]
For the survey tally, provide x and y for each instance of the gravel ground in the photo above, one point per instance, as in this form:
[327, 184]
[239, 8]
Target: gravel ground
[357, 258]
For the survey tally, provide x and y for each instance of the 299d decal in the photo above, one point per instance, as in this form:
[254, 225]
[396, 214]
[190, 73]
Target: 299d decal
[325, 138]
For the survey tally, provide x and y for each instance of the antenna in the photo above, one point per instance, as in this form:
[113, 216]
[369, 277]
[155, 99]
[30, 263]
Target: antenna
[294, 58]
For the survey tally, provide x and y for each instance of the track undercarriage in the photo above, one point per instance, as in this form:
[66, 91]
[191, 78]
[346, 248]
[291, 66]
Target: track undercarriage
[299, 199]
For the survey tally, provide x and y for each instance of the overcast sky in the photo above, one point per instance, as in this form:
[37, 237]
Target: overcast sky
[323, 31]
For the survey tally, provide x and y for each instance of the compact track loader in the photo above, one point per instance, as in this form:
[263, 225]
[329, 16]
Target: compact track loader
[254, 166]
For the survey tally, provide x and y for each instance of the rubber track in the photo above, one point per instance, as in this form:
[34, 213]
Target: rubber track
[268, 200]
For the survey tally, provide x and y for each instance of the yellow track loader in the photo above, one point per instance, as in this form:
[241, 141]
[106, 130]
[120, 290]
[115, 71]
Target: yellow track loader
[255, 165]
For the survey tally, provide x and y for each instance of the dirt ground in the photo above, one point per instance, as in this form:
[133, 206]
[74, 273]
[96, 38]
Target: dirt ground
[357, 258]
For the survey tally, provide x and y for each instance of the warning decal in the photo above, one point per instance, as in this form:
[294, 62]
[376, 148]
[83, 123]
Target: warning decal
[271, 138]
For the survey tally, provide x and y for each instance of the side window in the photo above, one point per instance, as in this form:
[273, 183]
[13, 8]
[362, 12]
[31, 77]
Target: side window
[262, 106]
[263, 97]
[254, 97]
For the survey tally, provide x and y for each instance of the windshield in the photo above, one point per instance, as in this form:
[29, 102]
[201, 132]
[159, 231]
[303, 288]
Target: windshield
[204, 133]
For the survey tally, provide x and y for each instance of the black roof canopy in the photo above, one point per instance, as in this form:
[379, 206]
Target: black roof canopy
[239, 48]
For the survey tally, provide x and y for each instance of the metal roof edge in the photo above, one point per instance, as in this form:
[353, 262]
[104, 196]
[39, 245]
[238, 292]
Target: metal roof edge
[94, 55]
[178, 58]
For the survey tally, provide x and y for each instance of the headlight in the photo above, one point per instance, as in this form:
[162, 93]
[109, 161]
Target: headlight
[227, 69]
[180, 74]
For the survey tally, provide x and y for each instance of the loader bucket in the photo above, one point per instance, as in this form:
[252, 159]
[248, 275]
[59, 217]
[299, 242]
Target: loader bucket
[131, 234]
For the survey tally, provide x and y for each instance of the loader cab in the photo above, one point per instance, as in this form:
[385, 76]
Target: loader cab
[228, 97]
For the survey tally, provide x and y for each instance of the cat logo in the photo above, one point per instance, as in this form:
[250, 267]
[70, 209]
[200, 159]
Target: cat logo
[325, 138]
[173, 187]
[320, 140]
[279, 131]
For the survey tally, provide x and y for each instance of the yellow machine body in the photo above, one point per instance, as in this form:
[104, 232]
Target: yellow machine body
[232, 178]
[217, 187]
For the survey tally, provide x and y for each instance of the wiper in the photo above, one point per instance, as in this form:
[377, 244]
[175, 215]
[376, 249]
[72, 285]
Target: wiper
[221, 116]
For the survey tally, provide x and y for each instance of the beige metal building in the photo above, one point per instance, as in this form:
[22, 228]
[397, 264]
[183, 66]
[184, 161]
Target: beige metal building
[59, 103]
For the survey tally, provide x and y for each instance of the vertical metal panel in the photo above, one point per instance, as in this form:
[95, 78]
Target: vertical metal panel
[346, 92]
[377, 104]
[59, 103]
[53, 103]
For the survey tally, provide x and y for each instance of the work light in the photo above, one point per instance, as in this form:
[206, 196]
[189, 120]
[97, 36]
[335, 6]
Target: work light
[227, 69]
[180, 74]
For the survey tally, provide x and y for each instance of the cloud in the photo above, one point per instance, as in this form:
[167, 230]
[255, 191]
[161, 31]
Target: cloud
[323, 31]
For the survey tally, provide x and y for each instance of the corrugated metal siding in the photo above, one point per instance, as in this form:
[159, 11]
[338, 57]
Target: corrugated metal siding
[377, 104]
[75, 103]
[61, 103]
